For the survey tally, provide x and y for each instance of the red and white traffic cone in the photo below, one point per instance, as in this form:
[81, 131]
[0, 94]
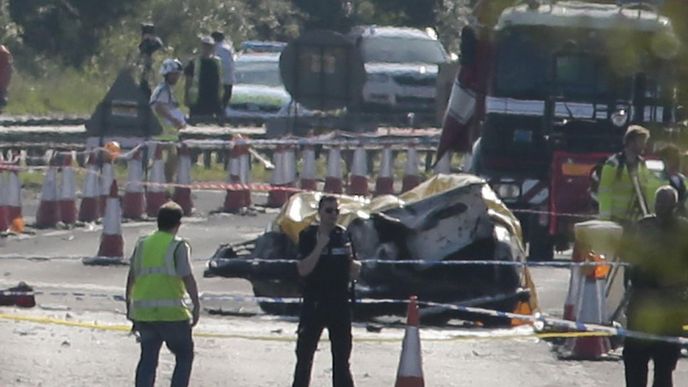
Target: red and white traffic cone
[111, 242]
[48, 213]
[444, 164]
[107, 176]
[574, 284]
[333, 179]
[89, 210]
[358, 185]
[67, 195]
[182, 192]
[283, 176]
[133, 203]
[308, 174]
[384, 184]
[411, 174]
[410, 371]
[239, 197]
[155, 192]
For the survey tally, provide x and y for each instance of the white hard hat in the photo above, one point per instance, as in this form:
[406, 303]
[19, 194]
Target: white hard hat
[171, 65]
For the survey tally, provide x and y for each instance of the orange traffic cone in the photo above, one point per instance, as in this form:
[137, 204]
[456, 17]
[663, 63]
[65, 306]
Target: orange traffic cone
[411, 174]
[333, 180]
[384, 185]
[155, 192]
[67, 195]
[284, 175]
[107, 176]
[182, 195]
[410, 371]
[591, 308]
[48, 213]
[111, 242]
[359, 173]
[308, 181]
[239, 170]
[133, 203]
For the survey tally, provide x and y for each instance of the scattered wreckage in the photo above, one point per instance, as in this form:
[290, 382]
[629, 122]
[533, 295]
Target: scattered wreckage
[448, 218]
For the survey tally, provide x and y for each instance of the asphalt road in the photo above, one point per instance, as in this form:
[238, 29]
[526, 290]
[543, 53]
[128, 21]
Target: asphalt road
[243, 350]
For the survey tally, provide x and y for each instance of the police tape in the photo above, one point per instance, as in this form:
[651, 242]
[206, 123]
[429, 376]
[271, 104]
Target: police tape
[258, 261]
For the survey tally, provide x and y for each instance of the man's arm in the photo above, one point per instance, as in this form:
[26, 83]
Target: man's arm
[130, 285]
[192, 289]
[162, 110]
[307, 265]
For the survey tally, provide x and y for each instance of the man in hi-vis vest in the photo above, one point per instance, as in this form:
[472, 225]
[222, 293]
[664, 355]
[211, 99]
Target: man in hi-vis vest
[203, 94]
[159, 278]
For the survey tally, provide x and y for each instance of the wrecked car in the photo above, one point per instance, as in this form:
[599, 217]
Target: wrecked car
[447, 218]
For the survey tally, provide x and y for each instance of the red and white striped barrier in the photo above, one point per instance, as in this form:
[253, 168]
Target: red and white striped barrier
[67, 196]
[133, 203]
[89, 209]
[284, 175]
[358, 184]
[155, 193]
[333, 180]
[182, 195]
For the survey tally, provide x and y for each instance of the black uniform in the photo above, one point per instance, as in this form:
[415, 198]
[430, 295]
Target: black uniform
[325, 305]
[659, 278]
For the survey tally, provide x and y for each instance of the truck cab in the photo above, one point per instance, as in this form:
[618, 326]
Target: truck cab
[566, 79]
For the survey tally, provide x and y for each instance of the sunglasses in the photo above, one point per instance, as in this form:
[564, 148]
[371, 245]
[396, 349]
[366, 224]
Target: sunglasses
[331, 210]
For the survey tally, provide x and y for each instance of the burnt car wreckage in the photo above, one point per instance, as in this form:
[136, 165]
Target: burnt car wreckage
[447, 218]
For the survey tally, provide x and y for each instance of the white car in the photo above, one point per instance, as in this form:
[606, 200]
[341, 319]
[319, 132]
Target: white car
[401, 66]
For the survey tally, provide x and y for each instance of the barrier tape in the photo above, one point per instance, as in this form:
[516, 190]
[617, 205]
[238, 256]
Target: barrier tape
[538, 320]
[258, 261]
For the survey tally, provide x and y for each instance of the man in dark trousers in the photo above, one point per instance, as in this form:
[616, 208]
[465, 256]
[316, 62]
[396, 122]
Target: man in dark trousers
[327, 266]
[657, 248]
[671, 156]
[203, 79]
[159, 278]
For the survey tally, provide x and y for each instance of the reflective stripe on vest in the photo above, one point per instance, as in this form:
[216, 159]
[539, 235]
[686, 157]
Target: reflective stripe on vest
[142, 304]
[196, 79]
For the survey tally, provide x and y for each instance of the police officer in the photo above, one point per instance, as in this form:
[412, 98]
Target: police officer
[326, 266]
[159, 277]
[619, 200]
[657, 248]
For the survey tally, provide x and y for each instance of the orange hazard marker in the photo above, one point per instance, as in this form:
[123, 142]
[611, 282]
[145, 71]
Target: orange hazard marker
[111, 242]
[410, 371]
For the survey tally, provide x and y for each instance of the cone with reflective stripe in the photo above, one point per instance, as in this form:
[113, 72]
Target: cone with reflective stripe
[133, 203]
[333, 180]
[358, 185]
[48, 213]
[444, 164]
[410, 371]
[107, 176]
[89, 209]
[111, 242]
[308, 177]
[67, 195]
[283, 176]
[591, 308]
[384, 184]
[239, 170]
[411, 174]
[182, 195]
[155, 191]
